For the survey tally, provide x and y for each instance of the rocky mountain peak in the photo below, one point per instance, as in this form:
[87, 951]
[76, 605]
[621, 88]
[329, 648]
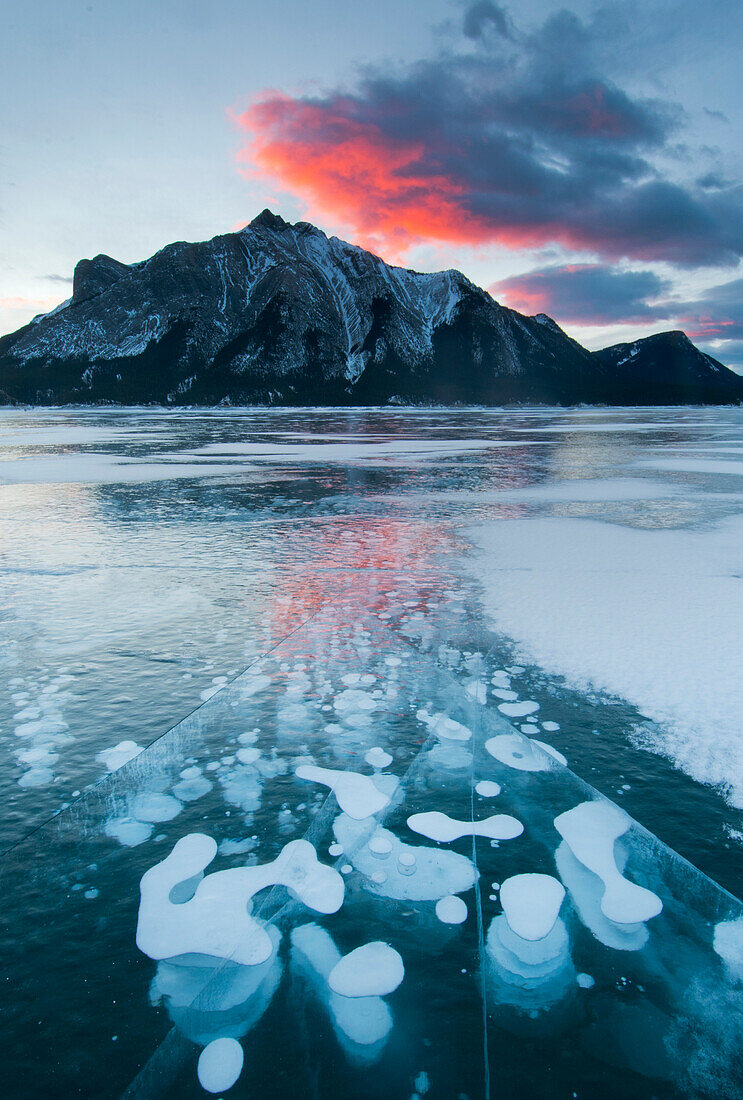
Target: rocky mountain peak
[268, 220]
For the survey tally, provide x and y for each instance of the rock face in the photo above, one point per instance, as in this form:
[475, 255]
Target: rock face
[282, 314]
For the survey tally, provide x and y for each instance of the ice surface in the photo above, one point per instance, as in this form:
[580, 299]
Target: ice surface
[215, 920]
[531, 903]
[357, 794]
[372, 970]
[696, 465]
[220, 1064]
[439, 826]
[409, 637]
[590, 830]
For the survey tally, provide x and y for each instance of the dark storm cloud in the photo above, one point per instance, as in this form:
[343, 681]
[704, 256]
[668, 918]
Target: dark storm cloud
[484, 16]
[586, 294]
[522, 139]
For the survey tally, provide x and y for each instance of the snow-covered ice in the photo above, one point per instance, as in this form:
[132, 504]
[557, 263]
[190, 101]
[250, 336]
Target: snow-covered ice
[654, 616]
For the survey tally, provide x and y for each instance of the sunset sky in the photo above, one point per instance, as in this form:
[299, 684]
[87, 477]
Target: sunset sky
[583, 160]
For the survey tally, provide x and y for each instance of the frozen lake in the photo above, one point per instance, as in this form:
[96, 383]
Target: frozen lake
[349, 634]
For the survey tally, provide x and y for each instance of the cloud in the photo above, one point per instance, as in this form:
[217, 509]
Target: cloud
[484, 16]
[586, 294]
[716, 315]
[515, 139]
[598, 294]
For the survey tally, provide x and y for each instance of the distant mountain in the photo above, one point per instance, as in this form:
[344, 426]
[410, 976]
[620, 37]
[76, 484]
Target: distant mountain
[668, 369]
[282, 314]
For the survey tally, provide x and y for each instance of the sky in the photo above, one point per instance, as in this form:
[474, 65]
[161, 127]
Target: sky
[583, 160]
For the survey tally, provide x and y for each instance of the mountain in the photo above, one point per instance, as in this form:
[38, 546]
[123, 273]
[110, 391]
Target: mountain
[669, 370]
[282, 314]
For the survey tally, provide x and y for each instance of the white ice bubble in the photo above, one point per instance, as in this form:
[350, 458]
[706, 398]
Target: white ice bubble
[127, 831]
[237, 847]
[220, 1064]
[551, 727]
[451, 910]
[551, 751]
[518, 752]
[487, 789]
[590, 831]
[214, 918]
[357, 794]
[153, 806]
[377, 757]
[248, 756]
[586, 892]
[372, 970]
[352, 700]
[444, 727]
[518, 710]
[728, 943]
[439, 826]
[476, 690]
[188, 790]
[437, 872]
[531, 903]
[380, 846]
[585, 981]
[362, 1024]
[36, 777]
[505, 694]
[120, 754]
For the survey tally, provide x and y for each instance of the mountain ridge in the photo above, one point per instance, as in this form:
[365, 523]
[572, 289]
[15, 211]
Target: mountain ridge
[280, 313]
